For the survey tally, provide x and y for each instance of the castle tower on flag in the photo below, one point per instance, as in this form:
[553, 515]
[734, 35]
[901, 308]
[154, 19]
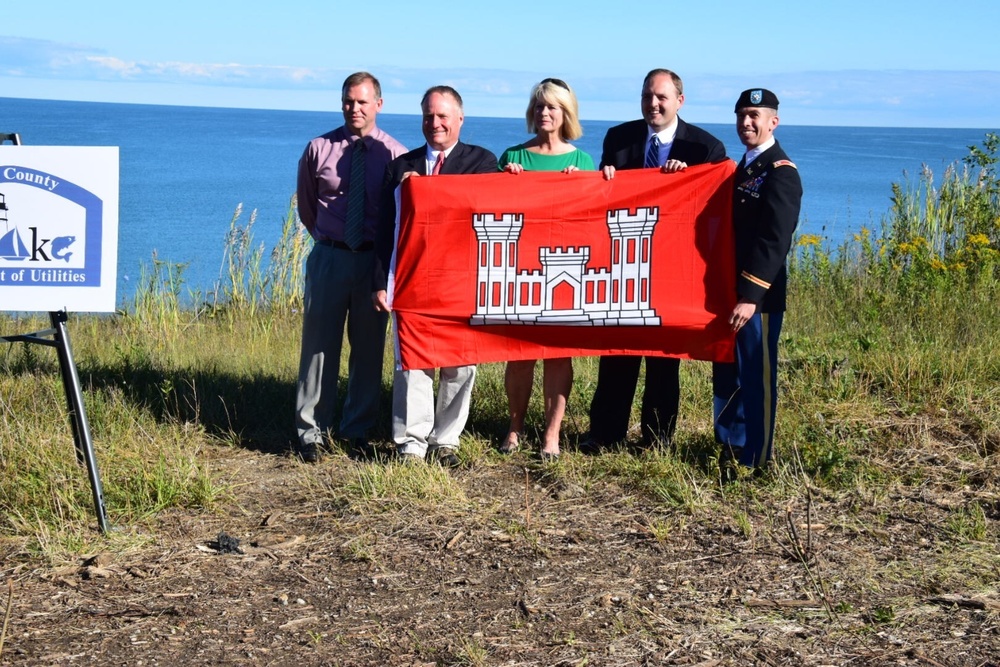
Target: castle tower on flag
[565, 290]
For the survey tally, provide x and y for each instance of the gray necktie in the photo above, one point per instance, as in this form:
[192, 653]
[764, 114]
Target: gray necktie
[354, 233]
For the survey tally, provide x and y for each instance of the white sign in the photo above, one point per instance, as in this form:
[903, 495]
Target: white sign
[58, 228]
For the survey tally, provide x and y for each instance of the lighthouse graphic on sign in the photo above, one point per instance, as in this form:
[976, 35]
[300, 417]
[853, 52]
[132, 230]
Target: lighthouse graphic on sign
[566, 290]
[11, 246]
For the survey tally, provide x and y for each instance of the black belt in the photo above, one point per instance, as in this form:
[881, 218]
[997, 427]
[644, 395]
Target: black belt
[340, 245]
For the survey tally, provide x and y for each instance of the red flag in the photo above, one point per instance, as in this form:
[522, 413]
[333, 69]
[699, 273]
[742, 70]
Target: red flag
[501, 267]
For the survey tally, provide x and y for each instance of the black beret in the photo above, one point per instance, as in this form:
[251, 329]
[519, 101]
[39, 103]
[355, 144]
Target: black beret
[757, 97]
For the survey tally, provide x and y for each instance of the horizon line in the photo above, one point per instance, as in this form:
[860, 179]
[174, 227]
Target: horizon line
[498, 117]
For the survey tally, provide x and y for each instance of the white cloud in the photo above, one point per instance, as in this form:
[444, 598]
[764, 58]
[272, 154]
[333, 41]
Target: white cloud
[852, 97]
[114, 64]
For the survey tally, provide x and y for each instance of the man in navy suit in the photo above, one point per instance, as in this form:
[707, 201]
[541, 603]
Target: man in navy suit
[661, 140]
[419, 424]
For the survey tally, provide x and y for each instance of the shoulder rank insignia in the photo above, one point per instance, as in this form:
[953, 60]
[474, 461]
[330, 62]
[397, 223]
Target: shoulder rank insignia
[784, 163]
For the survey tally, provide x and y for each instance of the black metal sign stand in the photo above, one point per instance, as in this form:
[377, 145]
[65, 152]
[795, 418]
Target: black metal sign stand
[71, 384]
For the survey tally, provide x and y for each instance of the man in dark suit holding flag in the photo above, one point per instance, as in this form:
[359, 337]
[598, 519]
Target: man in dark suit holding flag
[419, 424]
[766, 203]
[661, 140]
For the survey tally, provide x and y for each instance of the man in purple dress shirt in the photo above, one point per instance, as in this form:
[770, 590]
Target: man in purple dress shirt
[339, 271]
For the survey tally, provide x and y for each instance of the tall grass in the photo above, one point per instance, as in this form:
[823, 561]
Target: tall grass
[890, 345]
[902, 322]
[249, 285]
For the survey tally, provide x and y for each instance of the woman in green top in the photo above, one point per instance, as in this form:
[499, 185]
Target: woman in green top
[554, 118]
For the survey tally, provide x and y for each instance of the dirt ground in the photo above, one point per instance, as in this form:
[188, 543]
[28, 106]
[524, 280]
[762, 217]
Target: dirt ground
[523, 566]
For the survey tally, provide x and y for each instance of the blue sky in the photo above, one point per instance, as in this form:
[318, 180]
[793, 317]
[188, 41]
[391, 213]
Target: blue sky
[872, 62]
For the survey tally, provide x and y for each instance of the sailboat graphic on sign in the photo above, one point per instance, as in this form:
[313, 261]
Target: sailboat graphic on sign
[11, 245]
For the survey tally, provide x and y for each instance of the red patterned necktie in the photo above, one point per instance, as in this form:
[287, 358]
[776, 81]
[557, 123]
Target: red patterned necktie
[438, 164]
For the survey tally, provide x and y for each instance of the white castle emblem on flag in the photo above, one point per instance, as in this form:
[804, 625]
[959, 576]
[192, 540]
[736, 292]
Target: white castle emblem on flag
[565, 291]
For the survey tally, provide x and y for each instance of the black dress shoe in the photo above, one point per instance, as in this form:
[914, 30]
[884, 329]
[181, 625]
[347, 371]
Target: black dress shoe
[307, 452]
[407, 459]
[729, 464]
[591, 447]
[652, 441]
[362, 450]
[446, 457]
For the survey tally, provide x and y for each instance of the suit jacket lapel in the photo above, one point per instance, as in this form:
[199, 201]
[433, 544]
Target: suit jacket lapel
[682, 131]
[453, 163]
[421, 164]
[637, 149]
[680, 135]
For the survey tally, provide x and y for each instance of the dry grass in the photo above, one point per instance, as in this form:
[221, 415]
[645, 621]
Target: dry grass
[507, 562]
[872, 540]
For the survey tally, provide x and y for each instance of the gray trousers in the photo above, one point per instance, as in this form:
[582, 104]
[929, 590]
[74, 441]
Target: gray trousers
[419, 422]
[338, 292]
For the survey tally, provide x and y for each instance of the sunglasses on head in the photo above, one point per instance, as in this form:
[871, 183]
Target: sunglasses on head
[558, 82]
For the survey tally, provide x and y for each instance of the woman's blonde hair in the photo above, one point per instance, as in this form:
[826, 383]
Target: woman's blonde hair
[556, 92]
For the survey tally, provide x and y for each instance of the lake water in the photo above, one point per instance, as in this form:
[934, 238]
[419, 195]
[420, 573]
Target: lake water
[185, 169]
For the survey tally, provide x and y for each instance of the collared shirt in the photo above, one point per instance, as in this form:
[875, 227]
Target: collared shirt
[432, 156]
[324, 179]
[666, 140]
[753, 153]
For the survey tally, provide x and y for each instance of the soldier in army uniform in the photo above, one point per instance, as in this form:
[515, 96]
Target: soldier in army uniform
[766, 202]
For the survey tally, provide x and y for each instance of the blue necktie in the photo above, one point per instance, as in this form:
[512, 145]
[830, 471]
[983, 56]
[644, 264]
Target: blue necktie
[354, 232]
[653, 154]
